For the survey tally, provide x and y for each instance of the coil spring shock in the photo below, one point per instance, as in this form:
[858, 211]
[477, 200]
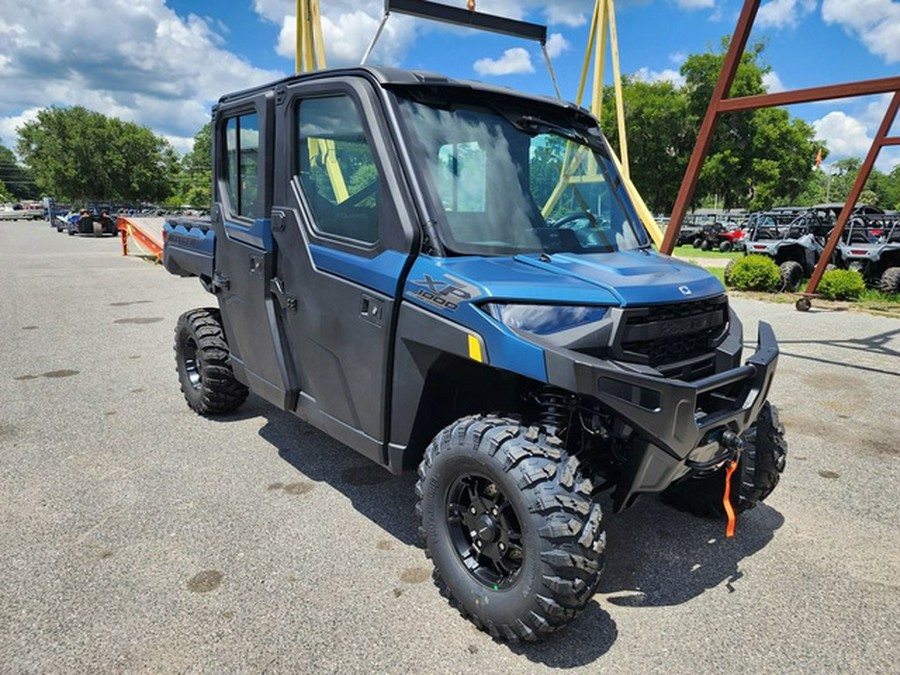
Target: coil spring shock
[555, 408]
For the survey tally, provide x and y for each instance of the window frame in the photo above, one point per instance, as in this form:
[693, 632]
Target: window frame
[235, 206]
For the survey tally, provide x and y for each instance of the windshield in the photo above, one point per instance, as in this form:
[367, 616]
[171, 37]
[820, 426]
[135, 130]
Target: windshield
[508, 183]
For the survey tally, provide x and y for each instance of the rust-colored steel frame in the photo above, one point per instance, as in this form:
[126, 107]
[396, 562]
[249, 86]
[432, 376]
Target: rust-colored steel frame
[719, 104]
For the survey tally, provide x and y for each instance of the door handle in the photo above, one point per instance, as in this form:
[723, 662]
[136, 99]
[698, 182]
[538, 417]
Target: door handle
[371, 310]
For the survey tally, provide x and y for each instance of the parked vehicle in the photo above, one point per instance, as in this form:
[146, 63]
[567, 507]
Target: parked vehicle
[96, 224]
[385, 268]
[871, 245]
[723, 236]
[793, 238]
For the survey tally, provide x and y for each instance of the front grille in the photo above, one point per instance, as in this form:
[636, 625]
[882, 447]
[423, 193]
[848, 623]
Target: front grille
[680, 340]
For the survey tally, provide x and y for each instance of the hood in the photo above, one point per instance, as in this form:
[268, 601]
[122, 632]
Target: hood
[624, 278]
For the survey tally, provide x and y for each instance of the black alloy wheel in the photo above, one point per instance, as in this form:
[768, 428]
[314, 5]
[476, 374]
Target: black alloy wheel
[485, 531]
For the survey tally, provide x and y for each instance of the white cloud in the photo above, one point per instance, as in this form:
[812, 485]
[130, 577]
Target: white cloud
[696, 4]
[667, 75]
[556, 45]
[847, 136]
[875, 22]
[514, 61]
[784, 13]
[772, 82]
[677, 58]
[9, 125]
[566, 15]
[138, 61]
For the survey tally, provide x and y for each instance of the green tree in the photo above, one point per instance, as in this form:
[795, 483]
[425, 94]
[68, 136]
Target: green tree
[757, 157]
[17, 182]
[196, 170]
[660, 137]
[76, 153]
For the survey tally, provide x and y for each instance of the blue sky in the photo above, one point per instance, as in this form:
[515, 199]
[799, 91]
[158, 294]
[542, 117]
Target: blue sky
[163, 63]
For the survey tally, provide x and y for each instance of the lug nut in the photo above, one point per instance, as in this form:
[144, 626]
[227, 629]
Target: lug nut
[501, 546]
[495, 512]
[473, 510]
[478, 543]
[473, 533]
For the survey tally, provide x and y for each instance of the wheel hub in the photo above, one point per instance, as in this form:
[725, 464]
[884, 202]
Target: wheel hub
[488, 530]
[485, 531]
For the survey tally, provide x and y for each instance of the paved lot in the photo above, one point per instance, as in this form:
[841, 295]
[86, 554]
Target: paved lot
[136, 536]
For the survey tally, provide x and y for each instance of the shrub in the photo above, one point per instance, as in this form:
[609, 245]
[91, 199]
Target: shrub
[842, 285]
[755, 273]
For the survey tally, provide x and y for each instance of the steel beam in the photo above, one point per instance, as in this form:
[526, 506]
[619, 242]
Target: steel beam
[723, 86]
[463, 17]
[880, 140]
[827, 92]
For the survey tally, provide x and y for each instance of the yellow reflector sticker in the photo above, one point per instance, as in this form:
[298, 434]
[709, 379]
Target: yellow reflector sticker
[475, 349]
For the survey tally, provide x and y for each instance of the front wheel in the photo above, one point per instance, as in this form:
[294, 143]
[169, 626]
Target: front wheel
[507, 518]
[201, 357]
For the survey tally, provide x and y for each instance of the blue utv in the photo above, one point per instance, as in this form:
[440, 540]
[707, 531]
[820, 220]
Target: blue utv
[450, 278]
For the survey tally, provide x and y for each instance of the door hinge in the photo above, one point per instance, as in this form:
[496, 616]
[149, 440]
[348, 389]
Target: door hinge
[287, 302]
[220, 282]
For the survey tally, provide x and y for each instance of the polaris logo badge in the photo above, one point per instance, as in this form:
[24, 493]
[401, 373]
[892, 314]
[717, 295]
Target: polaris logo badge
[684, 290]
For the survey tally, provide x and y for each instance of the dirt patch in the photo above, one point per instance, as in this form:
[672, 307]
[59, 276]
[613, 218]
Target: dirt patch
[205, 581]
[140, 320]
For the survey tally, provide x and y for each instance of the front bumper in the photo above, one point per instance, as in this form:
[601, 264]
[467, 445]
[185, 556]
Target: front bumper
[673, 419]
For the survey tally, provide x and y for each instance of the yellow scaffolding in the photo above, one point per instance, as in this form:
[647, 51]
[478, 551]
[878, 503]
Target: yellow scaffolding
[603, 22]
[310, 56]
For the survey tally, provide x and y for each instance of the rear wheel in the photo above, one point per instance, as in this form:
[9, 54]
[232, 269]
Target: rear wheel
[890, 280]
[725, 246]
[508, 520]
[791, 275]
[698, 242]
[759, 470]
[201, 357]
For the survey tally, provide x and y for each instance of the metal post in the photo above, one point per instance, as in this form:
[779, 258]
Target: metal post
[881, 139]
[371, 46]
[723, 86]
[552, 74]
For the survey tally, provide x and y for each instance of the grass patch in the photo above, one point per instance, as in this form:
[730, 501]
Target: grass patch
[691, 252]
[717, 272]
[871, 301]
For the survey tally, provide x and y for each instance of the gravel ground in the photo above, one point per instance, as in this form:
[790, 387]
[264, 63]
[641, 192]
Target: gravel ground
[138, 537]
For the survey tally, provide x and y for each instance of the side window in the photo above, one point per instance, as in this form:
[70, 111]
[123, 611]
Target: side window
[242, 157]
[336, 168]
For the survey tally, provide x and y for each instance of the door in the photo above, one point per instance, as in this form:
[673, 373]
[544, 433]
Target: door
[343, 236]
[243, 141]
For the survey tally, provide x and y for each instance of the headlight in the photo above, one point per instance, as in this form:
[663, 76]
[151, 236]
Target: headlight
[544, 319]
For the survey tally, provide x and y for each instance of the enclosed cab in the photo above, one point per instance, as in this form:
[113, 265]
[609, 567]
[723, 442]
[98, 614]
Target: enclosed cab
[451, 278]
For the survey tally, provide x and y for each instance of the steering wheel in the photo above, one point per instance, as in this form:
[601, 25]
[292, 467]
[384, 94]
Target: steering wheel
[572, 217]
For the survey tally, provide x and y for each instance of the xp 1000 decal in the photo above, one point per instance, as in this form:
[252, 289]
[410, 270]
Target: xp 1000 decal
[445, 293]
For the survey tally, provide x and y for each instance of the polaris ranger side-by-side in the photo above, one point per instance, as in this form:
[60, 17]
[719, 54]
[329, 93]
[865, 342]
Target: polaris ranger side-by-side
[449, 276]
